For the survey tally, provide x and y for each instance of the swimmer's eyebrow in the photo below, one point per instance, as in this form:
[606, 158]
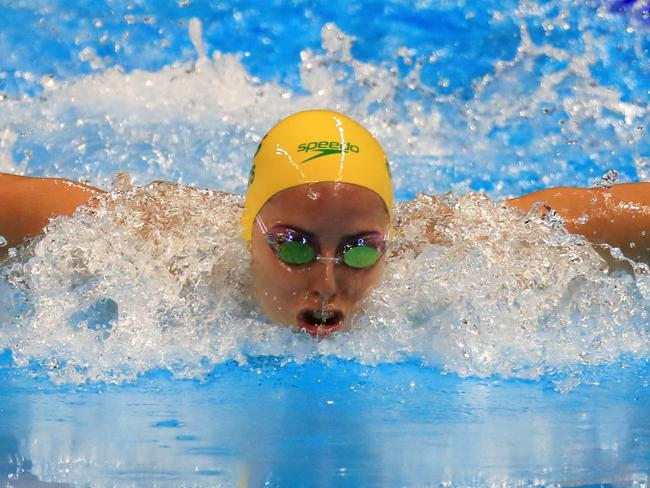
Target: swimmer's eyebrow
[363, 234]
[378, 238]
[283, 227]
[368, 233]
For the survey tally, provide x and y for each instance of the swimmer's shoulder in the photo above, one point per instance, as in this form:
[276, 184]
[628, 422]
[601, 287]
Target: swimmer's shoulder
[570, 199]
[616, 215]
[28, 203]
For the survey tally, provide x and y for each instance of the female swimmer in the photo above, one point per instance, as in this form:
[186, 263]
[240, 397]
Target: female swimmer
[318, 216]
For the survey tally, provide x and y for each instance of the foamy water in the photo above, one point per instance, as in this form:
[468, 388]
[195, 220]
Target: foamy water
[157, 277]
[547, 116]
[116, 291]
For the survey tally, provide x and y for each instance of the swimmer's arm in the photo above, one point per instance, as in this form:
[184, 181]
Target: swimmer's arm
[27, 204]
[618, 216]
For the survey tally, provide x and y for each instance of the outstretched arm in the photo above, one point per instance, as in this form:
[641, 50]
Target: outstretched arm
[27, 204]
[618, 216]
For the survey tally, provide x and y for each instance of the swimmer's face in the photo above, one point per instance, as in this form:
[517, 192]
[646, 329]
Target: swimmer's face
[319, 297]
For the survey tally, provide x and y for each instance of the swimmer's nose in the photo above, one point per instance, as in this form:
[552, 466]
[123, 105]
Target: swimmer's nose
[324, 280]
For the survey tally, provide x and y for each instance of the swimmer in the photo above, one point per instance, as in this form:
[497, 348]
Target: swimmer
[318, 217]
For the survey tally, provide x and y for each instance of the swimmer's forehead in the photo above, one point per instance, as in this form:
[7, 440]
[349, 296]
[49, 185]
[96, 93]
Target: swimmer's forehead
[327, 207]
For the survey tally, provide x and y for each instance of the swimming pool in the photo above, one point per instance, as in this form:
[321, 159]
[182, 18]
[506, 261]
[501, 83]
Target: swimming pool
[478, 364]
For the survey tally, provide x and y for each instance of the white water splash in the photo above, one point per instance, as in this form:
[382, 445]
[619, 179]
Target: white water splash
[7, 141]
[93, 300]
[158, 278]
[199, 122]
[643, 168]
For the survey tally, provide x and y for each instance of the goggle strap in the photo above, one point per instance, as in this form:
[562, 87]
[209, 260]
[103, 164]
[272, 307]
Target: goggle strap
[261, 225]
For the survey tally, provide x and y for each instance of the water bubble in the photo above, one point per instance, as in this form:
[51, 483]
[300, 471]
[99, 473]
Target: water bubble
[607, 180]
[643, 168]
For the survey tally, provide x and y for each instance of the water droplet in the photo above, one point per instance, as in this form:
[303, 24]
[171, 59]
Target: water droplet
[607, 180]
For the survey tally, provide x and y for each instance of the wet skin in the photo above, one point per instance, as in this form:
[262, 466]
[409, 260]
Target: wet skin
[304, 296]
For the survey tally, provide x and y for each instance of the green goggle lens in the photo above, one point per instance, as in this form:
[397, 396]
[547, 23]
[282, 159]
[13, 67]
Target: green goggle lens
[292, 252]
[361, 256]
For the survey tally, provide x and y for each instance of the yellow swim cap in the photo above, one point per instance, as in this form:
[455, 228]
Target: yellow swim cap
[312, 147]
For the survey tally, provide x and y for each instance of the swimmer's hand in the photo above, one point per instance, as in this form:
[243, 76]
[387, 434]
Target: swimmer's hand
[618, 216]
[27, 204]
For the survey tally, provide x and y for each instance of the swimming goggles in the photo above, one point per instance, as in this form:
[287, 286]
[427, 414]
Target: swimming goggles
[296, 248]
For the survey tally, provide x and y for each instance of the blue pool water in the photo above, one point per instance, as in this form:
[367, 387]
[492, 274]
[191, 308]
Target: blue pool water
[506, 358]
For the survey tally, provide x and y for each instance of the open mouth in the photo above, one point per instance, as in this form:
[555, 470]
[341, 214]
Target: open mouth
[320, 322]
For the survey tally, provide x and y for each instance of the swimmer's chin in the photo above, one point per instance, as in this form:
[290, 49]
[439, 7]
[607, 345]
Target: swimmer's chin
[320, 323]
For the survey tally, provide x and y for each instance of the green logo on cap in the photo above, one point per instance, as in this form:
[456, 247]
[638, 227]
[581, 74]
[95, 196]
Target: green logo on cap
[325, 148]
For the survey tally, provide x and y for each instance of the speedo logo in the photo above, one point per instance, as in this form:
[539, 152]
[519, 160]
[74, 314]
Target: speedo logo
[325, 148]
